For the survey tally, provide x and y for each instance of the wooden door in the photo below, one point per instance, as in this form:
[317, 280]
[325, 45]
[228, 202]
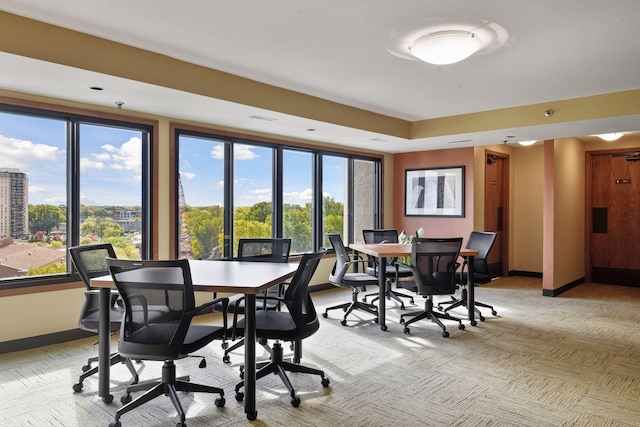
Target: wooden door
[496, 190]
[614, 248]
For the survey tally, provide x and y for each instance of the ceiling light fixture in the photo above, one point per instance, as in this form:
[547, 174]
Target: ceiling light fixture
[610, 136]
[445, 47]
[527, 143]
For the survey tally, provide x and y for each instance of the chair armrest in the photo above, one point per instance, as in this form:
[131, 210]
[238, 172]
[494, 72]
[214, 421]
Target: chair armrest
[225, 309]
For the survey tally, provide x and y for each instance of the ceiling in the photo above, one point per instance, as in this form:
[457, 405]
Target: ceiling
[354, 53]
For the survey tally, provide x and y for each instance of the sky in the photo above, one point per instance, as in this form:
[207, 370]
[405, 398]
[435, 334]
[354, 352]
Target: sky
[111, 166]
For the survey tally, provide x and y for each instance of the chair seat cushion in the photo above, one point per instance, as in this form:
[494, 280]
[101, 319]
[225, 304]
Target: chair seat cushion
[236, 302]
[355, 280]
[391, 271]
[91, 321]
[276, 325]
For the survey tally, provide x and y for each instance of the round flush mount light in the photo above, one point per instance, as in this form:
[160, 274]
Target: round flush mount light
[445, 47]
[527, 143]
[610, 136]
[449, 43]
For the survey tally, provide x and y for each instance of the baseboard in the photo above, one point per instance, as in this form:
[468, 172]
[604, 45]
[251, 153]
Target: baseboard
[525, 273]
[560, 290]
[42, 340]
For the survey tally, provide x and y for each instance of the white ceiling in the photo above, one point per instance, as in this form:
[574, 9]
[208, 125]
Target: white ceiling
[350, 52]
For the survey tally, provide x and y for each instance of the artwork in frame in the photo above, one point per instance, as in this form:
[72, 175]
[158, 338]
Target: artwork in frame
[435, 192]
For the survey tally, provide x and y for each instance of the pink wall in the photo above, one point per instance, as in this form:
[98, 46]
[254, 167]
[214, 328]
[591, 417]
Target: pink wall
[433, 227]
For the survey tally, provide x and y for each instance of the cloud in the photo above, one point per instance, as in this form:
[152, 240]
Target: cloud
[300, 197]
[240, 152]
[243, 152]
[89, 164]
[188, 175]
[127, 157]
[20, 153]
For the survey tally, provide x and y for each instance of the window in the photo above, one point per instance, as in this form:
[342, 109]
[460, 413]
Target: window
[67, 180]
[230, 188]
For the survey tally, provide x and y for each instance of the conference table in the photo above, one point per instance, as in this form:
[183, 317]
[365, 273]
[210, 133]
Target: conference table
[382, 251]
[234, 277]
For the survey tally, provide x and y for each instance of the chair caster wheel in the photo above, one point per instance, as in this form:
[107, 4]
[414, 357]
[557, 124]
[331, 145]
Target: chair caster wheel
[86, 367]
[125, 399]
[226, 358]
[364, 299]
[401, 306]
[401, 321]
[239, 396]
[181, 424]
[376, 320]
[225, 345]
[325, 315]
[445, 334]
[108, 399]
[202, 364]
[77, 387]
[325, 382]
[474, 323]
[383, 328]
[345, 309]
[343, 322]
[295, 402]
[115, 424]
[461, 327]
[407, 330]
[482, 319]
[495, 313]
[220, 402]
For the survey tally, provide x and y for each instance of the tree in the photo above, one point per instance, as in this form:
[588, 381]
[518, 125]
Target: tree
[45, 217]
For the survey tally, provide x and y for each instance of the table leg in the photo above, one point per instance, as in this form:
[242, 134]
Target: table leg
[382, 296]
[471, 292]
[250, 357]
[104, 344]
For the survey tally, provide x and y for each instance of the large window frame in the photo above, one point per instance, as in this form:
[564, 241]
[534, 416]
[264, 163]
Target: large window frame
[278, 147]
[74, 119]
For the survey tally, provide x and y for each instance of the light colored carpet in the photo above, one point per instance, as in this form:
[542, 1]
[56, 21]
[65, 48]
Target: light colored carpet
[573, 360]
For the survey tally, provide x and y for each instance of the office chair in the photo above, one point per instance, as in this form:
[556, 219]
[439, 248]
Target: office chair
[90, 261]
[298, 322]
[482, 242]
[434, 264]
[352, 280]
[164, 335]
[392, 270]
[257, 250]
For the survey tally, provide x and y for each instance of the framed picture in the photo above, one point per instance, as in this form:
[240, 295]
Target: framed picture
[434, 192]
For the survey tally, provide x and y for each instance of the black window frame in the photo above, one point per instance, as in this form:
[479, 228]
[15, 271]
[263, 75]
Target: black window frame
[73, 121]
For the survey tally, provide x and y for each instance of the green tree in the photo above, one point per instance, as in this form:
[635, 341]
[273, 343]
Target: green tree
[45, 217]
[111, 229]
[297, 226]
[205, 228]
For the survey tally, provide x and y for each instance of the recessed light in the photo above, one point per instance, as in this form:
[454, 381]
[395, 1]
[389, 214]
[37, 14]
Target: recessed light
[96, 88]
[311, 130]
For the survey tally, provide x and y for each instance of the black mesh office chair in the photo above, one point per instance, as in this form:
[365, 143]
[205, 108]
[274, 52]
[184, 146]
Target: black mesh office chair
[90, 261]
[481, 241]
[352, 280]
[164, 335]
[434, 264]
[257, 250]
[294, 324]
[392, 271]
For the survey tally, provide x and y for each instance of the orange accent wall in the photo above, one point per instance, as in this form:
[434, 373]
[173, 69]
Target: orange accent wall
[434, 227]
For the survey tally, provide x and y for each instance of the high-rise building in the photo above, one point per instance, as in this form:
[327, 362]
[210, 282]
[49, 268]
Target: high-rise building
[14, 203]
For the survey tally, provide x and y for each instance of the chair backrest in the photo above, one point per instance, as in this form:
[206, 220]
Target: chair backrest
[436, 261]
[297, 297]
[90, 260]
[159, 304]
[380, 235]
[264, 249]
[342, 259]
[481, 241]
